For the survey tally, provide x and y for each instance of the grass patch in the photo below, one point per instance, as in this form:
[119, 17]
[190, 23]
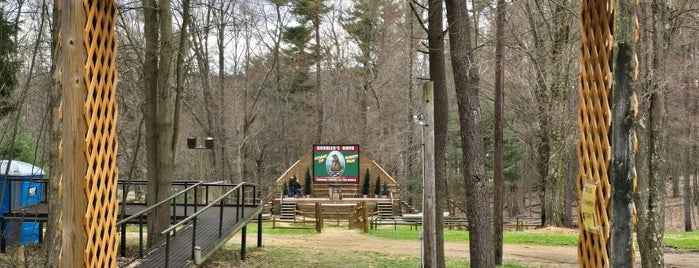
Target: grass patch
[544, 239]
[547, 239]
[288, 256]
[676, 240]
[682, 240]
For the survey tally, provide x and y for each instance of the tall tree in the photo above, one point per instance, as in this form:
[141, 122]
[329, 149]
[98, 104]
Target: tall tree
[364, 26]
[309, 13]
[650, 198]
[53, 238]
[549, 27]
[435, 38]
[159, 107]
[466, 80]
[224, 18]
[498, 166]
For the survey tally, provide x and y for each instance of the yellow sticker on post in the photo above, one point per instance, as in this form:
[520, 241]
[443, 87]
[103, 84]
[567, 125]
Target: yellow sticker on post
[588, 208]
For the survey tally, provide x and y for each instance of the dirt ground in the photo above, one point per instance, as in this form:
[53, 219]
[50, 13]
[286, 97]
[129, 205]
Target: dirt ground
[531, 255]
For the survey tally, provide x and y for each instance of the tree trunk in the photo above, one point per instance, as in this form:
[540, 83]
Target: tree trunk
[498, 172]
[622, 173]
[438, 76]
[182, 49]
[159, 112]
[551, 100]
[466, 80]
[319, 90]
[219, 153]
[53, 238]
[687, 193]
[651, 193]
[410, 153]
[686, 164]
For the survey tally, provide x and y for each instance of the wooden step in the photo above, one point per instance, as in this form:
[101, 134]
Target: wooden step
[385, 209]
[288, 211]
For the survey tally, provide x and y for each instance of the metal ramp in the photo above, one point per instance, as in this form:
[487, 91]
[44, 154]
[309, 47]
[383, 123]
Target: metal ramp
[204, 216]
[202, 224]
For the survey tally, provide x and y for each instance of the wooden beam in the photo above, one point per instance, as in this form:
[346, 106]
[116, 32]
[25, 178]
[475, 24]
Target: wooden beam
[74, 131]
[429, 230]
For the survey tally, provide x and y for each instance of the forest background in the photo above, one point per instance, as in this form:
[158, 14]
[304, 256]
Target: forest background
[269, 78]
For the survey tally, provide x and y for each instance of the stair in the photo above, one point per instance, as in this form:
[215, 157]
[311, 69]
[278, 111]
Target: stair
[408, 207]
[385, 209]
[288, 211]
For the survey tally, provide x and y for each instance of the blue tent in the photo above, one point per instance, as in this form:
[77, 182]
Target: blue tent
[20, 188]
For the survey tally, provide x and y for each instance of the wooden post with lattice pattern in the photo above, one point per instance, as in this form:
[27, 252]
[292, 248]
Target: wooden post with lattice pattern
[88, 77]
[601, 167]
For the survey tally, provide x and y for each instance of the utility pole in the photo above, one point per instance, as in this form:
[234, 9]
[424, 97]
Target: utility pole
[429, 215]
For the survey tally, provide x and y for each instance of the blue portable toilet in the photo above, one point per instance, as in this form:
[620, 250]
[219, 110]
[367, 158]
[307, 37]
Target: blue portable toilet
[21, 188]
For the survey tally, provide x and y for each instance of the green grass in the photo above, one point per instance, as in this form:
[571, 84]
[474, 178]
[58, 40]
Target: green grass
[548, 239]
[682, 240]
[289, 256]
[545, 239]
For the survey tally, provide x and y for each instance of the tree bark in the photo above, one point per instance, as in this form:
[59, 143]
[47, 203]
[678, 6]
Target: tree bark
[319, 89]
[651, 192]
[182, 49]
[435, 38]
[466, 80]
[687, 192]
[53, 239]
[159, 112]
[552, 70]
[622, 174]
[498, 172]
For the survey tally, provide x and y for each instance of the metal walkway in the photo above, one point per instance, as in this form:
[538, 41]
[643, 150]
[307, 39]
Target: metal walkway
[180, 251]
[204, 216]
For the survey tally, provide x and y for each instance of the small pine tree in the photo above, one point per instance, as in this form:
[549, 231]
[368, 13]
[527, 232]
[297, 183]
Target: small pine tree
[285, 189]
[365, 185]
[377, 186]
[385, 189]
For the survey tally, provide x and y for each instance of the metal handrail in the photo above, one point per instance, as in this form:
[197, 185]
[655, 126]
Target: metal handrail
[148, 209]
[193, 217]
[179, 224]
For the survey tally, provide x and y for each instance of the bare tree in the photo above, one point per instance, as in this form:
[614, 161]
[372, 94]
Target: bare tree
[466, 80]
[551, 57]
[435, 37]
[159, 107]
[53, 237]
[498, 172]
[650, 197]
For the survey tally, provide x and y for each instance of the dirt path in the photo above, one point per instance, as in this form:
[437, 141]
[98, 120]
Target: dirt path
[532, 255]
